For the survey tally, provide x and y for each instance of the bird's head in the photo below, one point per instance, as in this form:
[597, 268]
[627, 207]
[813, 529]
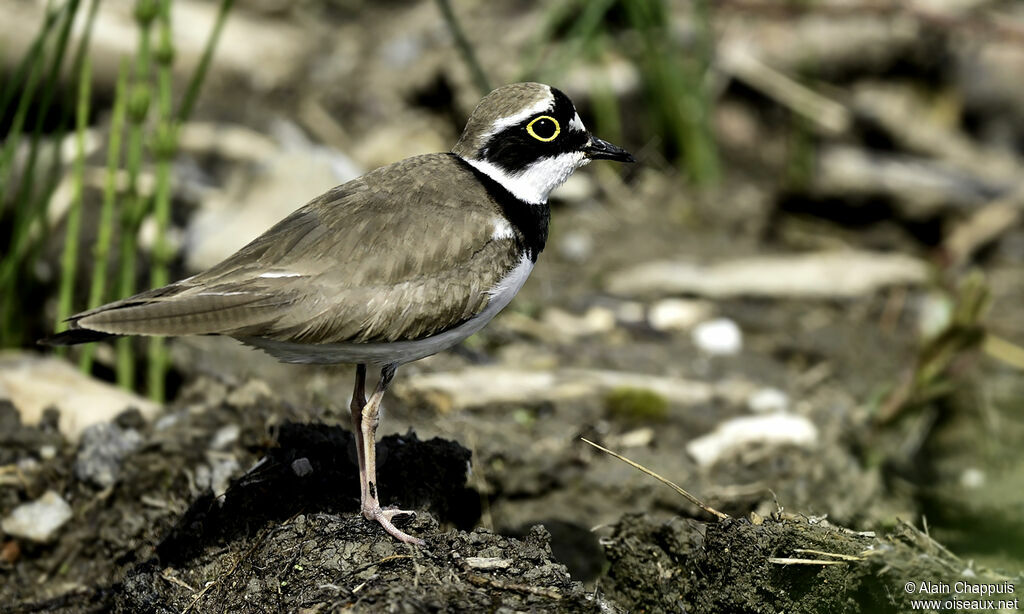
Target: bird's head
[529, 138]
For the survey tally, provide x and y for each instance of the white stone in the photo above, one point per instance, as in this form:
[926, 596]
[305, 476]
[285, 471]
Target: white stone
[972, 477]
[767, 400]
[225, 436]
[677, 314]
[594, 321]
[630, 312]
[720, 337]
[743, 432]
[576, 246]
[837, 274]
[39, 520]
[33, 383]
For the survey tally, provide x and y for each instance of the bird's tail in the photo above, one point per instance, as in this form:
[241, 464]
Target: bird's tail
[74, 336]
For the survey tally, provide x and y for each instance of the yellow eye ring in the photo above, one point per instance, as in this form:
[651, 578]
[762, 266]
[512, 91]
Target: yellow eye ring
[529, 128]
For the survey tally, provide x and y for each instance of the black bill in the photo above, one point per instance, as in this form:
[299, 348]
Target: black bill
[598, 149]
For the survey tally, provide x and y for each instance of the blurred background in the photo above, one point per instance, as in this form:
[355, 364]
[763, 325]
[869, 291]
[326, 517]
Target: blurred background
[806, 294]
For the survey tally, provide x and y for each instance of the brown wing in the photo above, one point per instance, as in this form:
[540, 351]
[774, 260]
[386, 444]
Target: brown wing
[397, 254]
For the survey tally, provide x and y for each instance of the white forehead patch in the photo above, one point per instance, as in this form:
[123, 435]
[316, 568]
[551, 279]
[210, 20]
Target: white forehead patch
[504, 122]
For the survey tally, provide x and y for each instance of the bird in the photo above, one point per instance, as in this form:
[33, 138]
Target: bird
[396, 265]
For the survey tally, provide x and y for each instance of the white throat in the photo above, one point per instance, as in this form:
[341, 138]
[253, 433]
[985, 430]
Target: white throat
[536, 181]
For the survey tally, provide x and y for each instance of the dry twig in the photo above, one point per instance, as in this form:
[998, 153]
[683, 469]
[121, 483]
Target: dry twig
[667, 482]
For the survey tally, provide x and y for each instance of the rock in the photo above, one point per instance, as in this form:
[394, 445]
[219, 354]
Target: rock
[249, 393]
[833, 274]
[34, 383]
[483, 386]
[768, 400]
[487, 563]
[217, 475]
[576, 246]
[225, 437]
[677, 314]
[258, 197]
[630, 312]
[577, 188]
[972, 477]
[594, 321]
[39, 520]
[637, 438]
[719, 337]
[746, 431]
[262, 67]
[103, 447]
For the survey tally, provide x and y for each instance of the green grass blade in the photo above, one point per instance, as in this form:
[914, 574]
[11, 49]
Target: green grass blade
[465, 48]
[104, 231]
[69, 259]
[134, 207]
[196, 82]
[165, 147]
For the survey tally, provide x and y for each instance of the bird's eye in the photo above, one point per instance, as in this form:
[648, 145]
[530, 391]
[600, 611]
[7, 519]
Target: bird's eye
[543, 128]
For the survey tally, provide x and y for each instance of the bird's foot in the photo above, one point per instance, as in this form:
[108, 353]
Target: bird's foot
[384, 516]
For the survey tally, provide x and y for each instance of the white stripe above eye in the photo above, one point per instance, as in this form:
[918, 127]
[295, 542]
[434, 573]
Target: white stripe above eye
[504, 122]
[577, 123]
[275, 275]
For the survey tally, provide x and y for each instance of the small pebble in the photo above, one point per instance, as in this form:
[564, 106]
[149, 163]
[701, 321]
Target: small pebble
[38, 520]
[745, 431]
[637, 438]
[487, 562]
[10, 552]
[972, 477]
[768, 400]
[677, 314]
[101, 450]
[630, 312]
[719, 337]
[576, 246]
[225, 436]
[302, 467]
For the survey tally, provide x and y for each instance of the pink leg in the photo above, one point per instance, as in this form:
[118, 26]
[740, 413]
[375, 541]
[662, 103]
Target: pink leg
[368, 486]
[356, 409]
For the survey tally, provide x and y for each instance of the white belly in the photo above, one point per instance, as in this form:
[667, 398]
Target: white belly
[398, 352]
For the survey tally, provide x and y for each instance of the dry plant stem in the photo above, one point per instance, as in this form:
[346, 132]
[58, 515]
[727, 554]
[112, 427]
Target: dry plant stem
[835, 555]
[1006, 351]
[790, 561]
[828, 115]
[667, 482]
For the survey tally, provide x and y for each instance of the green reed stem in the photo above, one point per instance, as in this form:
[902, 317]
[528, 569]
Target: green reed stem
[196, 82]
[69, 258]
[676, 89]
[104, 230]
[165, 148]
[24, 212]
[134, 208]
[465, 48]
[585, 28]
[24, 81]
